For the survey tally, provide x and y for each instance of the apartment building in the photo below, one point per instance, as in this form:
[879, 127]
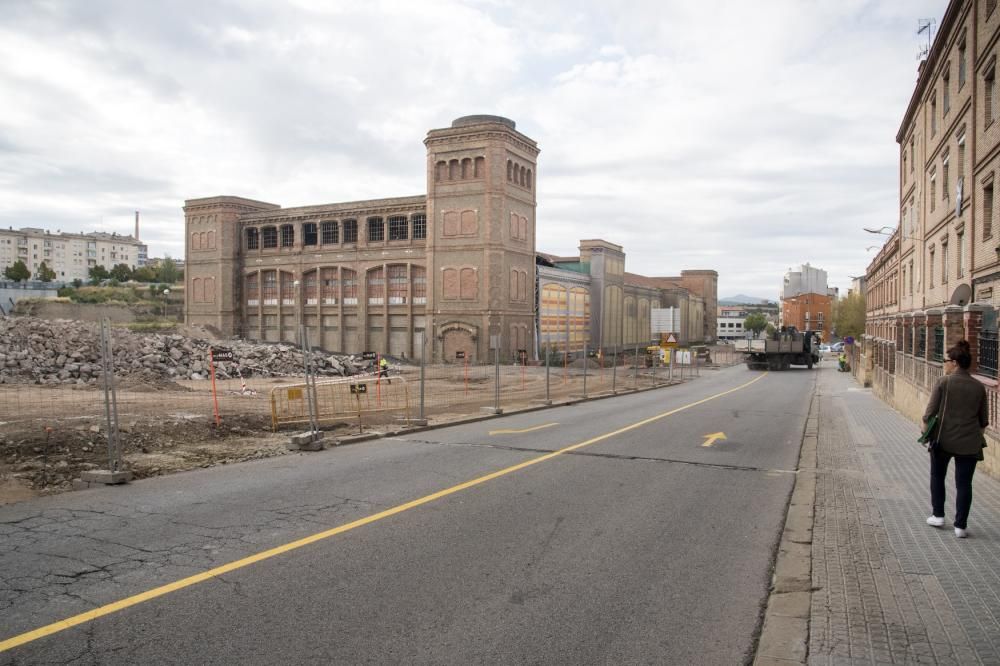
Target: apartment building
[70, 255]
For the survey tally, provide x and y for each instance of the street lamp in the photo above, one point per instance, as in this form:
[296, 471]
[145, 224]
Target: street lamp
[166, 292]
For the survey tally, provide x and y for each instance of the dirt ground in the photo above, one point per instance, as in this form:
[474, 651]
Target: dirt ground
[49, 435]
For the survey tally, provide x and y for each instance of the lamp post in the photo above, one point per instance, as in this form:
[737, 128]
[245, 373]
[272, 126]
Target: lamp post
[166, 292]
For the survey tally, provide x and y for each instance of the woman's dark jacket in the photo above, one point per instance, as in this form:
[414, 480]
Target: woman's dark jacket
[962, 419]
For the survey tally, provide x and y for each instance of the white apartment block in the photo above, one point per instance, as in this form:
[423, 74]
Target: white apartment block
[70, 255]
[806, 280]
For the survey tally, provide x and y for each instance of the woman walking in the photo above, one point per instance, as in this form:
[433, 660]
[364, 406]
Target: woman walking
[959, 401]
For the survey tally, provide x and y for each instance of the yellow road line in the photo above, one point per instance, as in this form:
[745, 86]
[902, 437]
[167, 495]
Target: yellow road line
[122, 604]
[515, 432]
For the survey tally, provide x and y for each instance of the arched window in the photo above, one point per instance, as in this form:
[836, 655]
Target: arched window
[197, 294]
[441, 172]
[453, 172]
[398, 227]
[349, 280]
[419, 222]
[376, 230]
[450, 284]
[470, 223]
[253, 289]
[350, 231]
[209, 290]
[510, 171]
[466, 168]
[480, 170]
[269, 236]
[375, 286]
[202, 244]
[524, 178]
[211, 240]
[195, 244]
[253, 238]
[330, 233]
[310, 234]
[418, 275]
[330, 286]
[287, 235]
[529, 179]
[398, 284]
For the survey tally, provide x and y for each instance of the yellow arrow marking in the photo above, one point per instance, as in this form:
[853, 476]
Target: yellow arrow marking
[713, 438]
[514, 432]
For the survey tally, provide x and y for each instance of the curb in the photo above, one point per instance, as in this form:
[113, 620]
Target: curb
[784, 638]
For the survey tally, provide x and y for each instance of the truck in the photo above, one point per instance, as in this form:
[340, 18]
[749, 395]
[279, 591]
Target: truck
[781, 350]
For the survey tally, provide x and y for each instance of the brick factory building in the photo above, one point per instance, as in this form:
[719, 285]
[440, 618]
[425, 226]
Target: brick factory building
[458, 264]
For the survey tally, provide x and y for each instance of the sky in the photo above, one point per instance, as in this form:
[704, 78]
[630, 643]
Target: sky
[744, 137]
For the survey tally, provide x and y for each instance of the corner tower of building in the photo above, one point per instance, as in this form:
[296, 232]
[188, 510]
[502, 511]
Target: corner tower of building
[481, 200]
[212, 265]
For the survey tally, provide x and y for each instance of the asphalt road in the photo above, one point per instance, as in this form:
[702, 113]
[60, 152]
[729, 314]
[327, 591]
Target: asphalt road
[469, 544]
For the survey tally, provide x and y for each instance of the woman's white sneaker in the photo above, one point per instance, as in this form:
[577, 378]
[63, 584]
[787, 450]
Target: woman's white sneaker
[934, 521]
[960, 533]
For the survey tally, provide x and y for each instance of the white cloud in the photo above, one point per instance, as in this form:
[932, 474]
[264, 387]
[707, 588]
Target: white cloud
[744, 137]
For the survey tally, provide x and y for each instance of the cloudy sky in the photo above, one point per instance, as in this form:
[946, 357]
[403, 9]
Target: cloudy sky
[746, 137]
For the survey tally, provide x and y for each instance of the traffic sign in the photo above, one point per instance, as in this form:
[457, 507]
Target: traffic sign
[222, 354]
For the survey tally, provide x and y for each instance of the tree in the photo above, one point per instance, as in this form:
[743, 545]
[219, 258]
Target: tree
[849, 316]
[122, 273]
[98, 273]
[770, 329]
[17, 271]
[756, 322]
[45, 274]
[168, 271]
[144, 274]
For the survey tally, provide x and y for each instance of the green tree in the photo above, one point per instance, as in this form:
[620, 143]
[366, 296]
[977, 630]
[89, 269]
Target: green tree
[44, 273]
[144, 274]
[98, 273]
[769, 330]
[17, 271]
[121, 272]
[756, 322]
[849, 316]
[168, 271]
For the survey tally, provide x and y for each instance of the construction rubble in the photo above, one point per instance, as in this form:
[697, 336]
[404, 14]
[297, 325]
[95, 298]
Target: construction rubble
[61, 351]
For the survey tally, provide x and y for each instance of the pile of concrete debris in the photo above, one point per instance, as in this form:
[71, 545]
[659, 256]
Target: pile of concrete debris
[61, 351]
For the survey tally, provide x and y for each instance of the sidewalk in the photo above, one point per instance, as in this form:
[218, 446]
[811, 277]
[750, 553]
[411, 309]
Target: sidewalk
[888, 588]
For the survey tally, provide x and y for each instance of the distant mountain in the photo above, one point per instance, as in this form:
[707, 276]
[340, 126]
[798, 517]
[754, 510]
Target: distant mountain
[743, 299]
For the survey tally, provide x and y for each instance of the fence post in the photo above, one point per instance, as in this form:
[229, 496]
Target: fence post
[586, 362]
[310, 384]
[548, 400]
[423, 354]
[110, 398]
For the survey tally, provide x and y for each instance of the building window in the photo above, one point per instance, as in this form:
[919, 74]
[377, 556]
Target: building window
[944, 175]
[330, 233]
[287, 289]
[419, 279]
[329, 286]
[453, 172]
[944, 263]
[466, 168]
[253, 289]
[287, 235]
[945, 92]
[309, 280]
[480, 167]
[988, 211]
[376, 229]
[989, 90]
[253, 238]
[398, 228]
[419, 226]
[375, 287]
[349, 280]
[934, 114]
[933, 189]
[930, 270]
[270, 237]
[350, 231]
[961, 64]
[309, 234]
[913, 152]
[398, 284]
[270, 292]
[960, 259]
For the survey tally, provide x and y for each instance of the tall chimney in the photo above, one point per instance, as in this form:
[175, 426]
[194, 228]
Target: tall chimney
[137, 225]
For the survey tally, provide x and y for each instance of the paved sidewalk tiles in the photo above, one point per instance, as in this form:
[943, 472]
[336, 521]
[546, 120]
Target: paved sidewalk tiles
[887, 588]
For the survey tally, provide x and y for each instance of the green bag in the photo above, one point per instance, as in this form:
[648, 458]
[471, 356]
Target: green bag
[925, 436]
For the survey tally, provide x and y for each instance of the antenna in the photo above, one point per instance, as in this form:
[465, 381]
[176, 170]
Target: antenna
[925, 26]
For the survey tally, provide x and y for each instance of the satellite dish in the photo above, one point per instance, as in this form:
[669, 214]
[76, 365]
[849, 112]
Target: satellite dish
[962, 295]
